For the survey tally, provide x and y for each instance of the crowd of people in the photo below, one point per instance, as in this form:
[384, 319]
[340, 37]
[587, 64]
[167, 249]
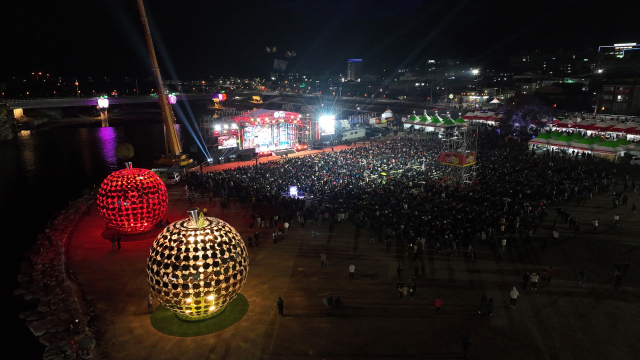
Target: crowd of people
[397, 190]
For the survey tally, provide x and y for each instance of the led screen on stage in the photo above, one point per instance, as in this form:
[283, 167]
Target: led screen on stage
[227, 141]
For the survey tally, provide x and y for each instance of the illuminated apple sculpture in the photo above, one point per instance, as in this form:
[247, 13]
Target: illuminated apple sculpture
[196, 266]
[132, 200]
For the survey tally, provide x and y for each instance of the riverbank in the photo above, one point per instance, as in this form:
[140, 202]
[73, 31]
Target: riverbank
[62, 321]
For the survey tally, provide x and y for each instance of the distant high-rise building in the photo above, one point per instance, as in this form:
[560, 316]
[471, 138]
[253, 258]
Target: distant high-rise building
[354, 69]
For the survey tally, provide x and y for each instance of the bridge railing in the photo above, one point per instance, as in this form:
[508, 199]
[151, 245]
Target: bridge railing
[71, 98]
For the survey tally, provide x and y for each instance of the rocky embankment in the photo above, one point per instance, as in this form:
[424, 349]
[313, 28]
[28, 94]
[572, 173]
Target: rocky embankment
[6, 132]
[61, 320]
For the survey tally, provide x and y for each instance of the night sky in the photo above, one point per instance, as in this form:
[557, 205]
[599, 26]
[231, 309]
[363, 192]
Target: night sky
[206, 38]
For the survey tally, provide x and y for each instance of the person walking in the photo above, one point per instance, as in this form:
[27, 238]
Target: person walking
[616, 220]
[275, 237]
[617, 268]
[633, 209]
[490, 306]
[118, 239]
[466, 345]
[549, 274]
[438, 303]
[618, 281]
[352, 271]
[114, 246]
[280, 305]
[534, 281]
[483, 302]
[286, 227]
[149, 304]
[514, 296]
[525, 281]
[323, 259]
[581, 276]
[399, 271]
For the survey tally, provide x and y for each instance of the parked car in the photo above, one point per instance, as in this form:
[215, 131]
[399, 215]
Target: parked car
[635, 161]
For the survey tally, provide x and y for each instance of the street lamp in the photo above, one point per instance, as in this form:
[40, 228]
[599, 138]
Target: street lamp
[77, 91]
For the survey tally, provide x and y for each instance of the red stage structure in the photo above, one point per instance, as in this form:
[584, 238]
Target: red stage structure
[268, 130]
[132, 200]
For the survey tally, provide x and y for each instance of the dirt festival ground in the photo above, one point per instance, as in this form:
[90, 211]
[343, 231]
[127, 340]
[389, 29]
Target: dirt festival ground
[559, 321]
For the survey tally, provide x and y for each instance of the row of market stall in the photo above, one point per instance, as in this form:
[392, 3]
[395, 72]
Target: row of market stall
[433, 123]
[608, 128]
[576, 144]
[484, 117]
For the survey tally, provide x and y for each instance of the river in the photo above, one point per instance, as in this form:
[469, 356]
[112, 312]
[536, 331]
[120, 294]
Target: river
[40, 174]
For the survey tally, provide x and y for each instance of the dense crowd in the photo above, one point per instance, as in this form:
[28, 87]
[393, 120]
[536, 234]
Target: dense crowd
[395, 189]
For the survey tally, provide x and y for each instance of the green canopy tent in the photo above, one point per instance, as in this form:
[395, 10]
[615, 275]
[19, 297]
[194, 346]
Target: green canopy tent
[608, 148]
[588, 141]
[576, 136]
[413, 118]
[448, 122]
[563, 138]
[623, 142]
[424, 119]
[460, 121]
[435, 120]
[545, 136]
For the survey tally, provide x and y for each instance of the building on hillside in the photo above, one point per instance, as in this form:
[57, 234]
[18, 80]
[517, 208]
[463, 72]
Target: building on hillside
[620, 99]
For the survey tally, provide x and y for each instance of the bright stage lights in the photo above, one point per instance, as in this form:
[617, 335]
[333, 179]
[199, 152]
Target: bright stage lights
[327, 124]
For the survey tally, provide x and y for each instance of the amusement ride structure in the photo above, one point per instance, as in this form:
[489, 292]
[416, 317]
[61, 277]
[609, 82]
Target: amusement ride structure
[459, 154]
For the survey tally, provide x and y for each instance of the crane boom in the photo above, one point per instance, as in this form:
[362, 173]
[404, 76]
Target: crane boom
[172, 143]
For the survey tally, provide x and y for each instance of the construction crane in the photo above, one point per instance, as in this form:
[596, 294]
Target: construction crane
[173, 149]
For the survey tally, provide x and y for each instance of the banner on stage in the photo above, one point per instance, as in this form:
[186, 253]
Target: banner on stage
[458, 159]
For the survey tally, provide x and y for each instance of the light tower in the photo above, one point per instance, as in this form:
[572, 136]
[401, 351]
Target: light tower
[459, 154]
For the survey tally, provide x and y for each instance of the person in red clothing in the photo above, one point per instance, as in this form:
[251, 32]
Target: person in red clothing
[438, 304]
[549, 274]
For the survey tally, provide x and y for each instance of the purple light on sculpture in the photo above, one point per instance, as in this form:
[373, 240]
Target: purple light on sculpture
[172, 99]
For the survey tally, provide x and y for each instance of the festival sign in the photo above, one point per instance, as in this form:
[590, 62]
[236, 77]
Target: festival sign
[458, 159]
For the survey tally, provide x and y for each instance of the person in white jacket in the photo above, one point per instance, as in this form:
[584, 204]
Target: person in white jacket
[514, 296]
[534, 281]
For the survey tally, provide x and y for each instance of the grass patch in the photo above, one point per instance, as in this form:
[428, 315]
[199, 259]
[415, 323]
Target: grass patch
[166, 322]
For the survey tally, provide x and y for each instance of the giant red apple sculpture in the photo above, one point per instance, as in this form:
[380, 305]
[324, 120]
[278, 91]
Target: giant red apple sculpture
[132, 200]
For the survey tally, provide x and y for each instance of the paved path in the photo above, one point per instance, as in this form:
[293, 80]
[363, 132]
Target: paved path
[562, 321]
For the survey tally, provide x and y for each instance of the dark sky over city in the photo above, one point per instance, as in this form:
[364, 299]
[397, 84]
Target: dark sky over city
[207, 38]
